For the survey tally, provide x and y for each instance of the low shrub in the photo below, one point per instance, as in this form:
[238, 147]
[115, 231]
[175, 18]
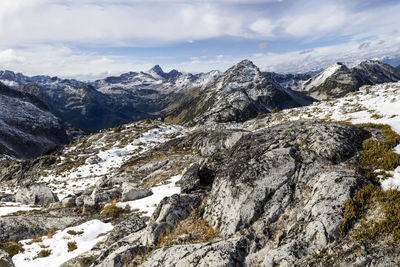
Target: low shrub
[44, 253]
[72, 246]
[73, 232]
[112, 210]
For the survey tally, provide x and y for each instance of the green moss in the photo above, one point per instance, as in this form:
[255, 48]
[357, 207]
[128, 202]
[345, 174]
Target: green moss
[376, 154]
[354, 208]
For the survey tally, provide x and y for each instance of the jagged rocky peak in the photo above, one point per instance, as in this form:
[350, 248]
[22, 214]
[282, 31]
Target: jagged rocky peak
[166, 75]
[157, 69]
[244, 75]
[245, 69]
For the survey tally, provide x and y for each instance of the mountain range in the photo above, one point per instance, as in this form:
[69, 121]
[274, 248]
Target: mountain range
[240, 93]
[111, 101]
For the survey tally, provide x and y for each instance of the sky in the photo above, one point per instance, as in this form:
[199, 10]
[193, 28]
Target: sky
[89, 39]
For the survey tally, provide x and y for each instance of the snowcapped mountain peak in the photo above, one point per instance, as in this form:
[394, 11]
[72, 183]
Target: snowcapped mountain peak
[324, 75]
[244, 69]
[157, 72]
[245, 64]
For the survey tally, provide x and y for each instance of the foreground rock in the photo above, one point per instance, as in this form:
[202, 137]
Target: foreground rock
[275, 196]
[269, 197]
[133, 192]
[231, 252]
[36, 194]
[33, 224]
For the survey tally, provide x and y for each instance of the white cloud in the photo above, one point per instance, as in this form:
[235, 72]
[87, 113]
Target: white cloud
[42, 36]
[111, 23]
[9, 56]
[324, 19]
[264, 27]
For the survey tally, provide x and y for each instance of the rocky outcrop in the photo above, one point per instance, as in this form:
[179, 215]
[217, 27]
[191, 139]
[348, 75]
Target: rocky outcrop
[231, 252]
[131, 192]
[36, 194]
[29, 225]
[169, 212]
[265, 169]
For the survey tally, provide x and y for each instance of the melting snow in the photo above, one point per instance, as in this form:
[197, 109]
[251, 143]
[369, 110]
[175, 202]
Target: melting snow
[106, 161]
[148, 204]
[93, 232]
[394, 181]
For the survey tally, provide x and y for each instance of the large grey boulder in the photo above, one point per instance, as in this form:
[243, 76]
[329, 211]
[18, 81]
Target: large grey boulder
[128, 226]
[36, 194]
[231, 252]
[266, 170]
[131, 191]
[285, 186]
[5, 260]
[104, 195]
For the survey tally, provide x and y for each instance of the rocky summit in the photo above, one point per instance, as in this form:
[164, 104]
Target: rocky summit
[255, 175]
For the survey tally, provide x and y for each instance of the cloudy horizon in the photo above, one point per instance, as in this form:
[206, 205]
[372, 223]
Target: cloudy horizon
[89, 39]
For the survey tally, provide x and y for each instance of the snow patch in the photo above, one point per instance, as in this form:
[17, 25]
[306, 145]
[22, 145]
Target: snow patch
[11, 207]
[93, 232]
[148, 204]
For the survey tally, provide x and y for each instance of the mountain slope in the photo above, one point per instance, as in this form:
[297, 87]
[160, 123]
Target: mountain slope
[242, 92]
[27, 127]
[338, 80]
[111, 101]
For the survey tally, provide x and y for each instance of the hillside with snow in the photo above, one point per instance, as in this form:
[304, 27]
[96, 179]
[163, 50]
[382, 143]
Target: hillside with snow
[27, 127]
[250, 190]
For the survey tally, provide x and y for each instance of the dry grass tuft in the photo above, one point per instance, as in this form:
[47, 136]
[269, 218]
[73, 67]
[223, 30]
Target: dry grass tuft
[12, 247]
[112, 210]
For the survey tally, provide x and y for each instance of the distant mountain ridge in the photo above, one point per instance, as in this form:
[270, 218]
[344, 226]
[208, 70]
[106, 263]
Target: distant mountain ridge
[27, 127]
[111, 101]
[339, 79]
[240, 93]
